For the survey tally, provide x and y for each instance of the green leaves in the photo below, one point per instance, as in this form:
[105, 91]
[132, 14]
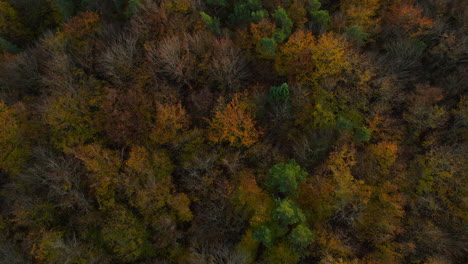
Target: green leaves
[301, 236]
[279, 94]
[264, 235]
[267, 48]
[285, 24]
[321, 17]
[288, 213]
[211, 23]
[357, 34]
[284, 178]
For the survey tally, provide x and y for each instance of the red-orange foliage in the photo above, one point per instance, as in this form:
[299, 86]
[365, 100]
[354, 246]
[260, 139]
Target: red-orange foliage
[409, 19]
[80, 26]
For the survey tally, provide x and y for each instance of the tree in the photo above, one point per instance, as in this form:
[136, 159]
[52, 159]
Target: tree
[125, 235]
[357, 34]
[301, 237]
[284, 23]
[281, 254]
[264, 235]
[279, 94]
[234, 123]
[406, 20]
[313, 5]
[298, 12]
[222, 3]
[361, 13]
[283, 178]
[287, 213]
[104, 165]
[11, 27]
[171, 120]
[321, 18]
[248, 11]
[266, 48]
[252, 200]
[211, 23]
[294, 57]
[423, 112]
[14, 148]
[228, 67]
[72, 117]
[66, 8]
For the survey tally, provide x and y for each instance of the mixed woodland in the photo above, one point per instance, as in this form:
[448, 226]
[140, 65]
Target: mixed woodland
[233, 131]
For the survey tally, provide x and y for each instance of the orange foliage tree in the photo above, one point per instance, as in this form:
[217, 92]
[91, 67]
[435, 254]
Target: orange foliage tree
[408, 20]
[234, 123]
[328, 59]
[171, 120]
[362, 13]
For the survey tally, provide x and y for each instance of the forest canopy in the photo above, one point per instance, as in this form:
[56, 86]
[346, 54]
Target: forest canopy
[233, 131]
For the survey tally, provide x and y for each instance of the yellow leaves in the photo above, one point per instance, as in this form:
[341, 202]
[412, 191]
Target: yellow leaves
[248, 246]
[330, 56]
[13, 146]
[295, 56]
[298, 13]
[310, 60]
[99, 160]
[234, 123]
[360, 12]
[182, 6]
[139, 161]
[380, 221]
[250, 197]
[48, 248]
[104, 165]
[151, 198]
[72, 117]
[384, 154]
[125, 235]
[171, 120]
[180, 204]
[155, 164]
[10, 25]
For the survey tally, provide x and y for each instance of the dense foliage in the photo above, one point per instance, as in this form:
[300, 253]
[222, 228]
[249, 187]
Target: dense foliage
[233, 131]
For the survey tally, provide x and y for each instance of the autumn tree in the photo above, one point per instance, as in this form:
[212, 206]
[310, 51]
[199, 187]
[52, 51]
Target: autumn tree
[11, 27]
[362, 13]
[103, 165]
[14, 147]
[170, 121]
[234, 123]
[406, 20]
[72, 116]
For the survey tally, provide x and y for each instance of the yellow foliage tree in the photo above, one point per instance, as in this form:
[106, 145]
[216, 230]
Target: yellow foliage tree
[13, 146]
[170, 121]
[104, 166]
[327, 59]
[362, 13]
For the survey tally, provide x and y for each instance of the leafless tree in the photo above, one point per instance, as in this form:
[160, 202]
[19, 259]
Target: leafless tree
[61, 176]
[118, 59]
[228, 68]
[217, 253]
